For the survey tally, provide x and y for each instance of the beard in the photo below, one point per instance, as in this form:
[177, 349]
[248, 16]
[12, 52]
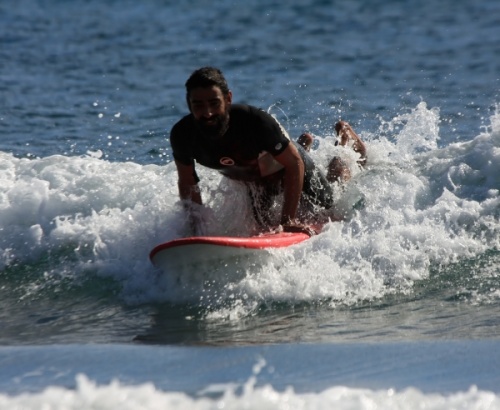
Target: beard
[215, 127]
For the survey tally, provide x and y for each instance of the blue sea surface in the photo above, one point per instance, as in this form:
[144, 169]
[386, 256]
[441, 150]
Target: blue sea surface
[397, 306]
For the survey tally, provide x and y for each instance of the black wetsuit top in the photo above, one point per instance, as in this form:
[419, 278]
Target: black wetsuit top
[251, 134]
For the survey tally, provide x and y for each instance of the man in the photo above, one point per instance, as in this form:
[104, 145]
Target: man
[246, 144]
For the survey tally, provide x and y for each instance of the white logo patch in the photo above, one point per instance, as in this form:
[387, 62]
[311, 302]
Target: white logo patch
[278, 146]
[227, 161]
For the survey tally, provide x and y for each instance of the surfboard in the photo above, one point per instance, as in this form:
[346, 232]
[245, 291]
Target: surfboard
[202, 250]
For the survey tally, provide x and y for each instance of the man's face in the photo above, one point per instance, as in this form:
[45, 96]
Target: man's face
[210, 109]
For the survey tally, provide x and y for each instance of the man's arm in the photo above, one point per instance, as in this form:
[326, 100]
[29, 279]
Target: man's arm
[189, 193]
[188, 186]
[293, 182]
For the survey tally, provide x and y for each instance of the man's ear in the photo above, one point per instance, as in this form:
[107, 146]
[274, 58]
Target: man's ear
[229, 97]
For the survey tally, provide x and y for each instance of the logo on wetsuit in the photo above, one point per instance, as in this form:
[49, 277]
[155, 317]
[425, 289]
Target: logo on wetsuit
[227, 161]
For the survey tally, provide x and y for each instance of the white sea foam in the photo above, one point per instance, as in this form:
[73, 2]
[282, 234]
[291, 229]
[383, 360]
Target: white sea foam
[88, 395]
[422, 205]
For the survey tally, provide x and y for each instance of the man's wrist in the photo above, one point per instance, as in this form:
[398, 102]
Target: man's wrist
[287, 220]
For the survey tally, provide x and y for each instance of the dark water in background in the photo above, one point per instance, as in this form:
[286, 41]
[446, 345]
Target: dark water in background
[88, 93]
[63, 63]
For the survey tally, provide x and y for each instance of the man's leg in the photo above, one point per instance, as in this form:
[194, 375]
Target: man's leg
[338, 170]
[346, 134]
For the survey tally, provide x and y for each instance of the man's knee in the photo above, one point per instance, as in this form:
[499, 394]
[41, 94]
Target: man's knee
[338, 170]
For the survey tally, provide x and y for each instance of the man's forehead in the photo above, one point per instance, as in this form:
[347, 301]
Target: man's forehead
[206, 93]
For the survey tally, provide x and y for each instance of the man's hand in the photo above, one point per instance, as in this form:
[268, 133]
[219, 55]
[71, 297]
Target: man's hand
[296, 227]
[199, 218]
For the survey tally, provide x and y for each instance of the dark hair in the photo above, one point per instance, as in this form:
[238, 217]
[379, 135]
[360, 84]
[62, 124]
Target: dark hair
[206, 77]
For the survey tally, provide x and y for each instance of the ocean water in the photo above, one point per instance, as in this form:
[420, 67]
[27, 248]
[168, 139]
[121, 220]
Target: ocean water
[397, 306]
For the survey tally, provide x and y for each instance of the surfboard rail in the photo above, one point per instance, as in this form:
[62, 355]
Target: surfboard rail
[264, 241]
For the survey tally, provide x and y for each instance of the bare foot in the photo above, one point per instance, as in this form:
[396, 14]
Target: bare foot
[346, 133]
[306, 140]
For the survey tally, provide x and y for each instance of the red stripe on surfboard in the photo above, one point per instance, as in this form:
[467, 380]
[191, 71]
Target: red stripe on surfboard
[276, 240]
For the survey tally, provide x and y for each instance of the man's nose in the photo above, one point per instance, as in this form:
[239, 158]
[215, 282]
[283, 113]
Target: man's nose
[206, 111]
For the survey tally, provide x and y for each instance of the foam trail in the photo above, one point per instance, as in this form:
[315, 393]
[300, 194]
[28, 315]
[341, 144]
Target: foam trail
[89, 395]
